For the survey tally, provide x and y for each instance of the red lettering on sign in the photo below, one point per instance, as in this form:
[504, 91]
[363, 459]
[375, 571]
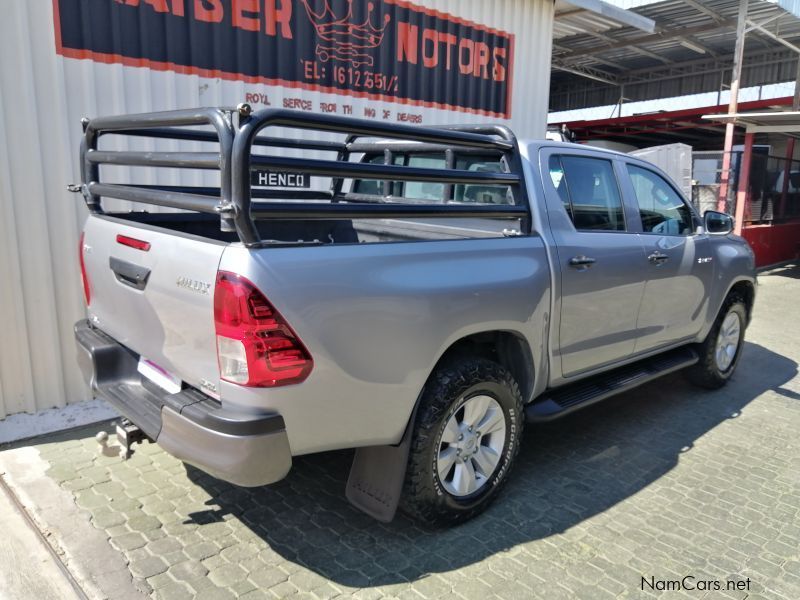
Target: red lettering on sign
[278, 16]
[178, 8]
[469, 46]
[158, 5]
[407, 42]
[208, 10]
[297, 103]
[409, 118]
[430, 41]
[499, 69]
[240, 19]
[257, 98]
[450, 41]
[481, 60]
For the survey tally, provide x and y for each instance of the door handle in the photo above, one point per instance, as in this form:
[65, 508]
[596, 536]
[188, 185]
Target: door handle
[581, 261]
[128, 273]
[658, 258]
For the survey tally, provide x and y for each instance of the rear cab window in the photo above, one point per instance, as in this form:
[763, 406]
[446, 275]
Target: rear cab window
[439, 192]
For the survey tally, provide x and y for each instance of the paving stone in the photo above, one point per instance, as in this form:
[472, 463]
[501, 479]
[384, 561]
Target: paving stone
[227, 575]
[174, 591]
[148, 567]
[187, 570]
[143, 523]
[202, 550]
[160, 580]
[663, 481]
[164, 546]
[128, 541]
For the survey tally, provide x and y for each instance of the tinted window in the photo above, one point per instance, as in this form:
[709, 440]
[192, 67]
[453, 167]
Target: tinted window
[593, 193]
[476, 193]
[560, 183]
[374, 187]
[420, 189]
[661, 207]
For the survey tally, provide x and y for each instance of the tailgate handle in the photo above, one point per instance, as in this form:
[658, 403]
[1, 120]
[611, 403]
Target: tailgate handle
[128, 273]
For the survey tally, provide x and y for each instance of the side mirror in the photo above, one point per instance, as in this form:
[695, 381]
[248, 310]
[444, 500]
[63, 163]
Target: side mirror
[717, 223]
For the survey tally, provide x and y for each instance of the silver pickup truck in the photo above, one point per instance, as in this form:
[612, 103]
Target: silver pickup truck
[415, 294]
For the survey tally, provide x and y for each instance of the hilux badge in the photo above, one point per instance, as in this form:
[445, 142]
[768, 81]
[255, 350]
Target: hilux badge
[192, 284]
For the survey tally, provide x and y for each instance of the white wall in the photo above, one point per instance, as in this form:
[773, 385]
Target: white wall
[42, 98]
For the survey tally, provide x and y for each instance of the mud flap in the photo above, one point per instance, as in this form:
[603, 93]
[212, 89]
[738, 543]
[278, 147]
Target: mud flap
[376, 476]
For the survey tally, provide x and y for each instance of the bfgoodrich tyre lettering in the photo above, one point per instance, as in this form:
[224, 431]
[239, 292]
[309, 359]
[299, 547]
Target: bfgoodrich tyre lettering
[426, 496]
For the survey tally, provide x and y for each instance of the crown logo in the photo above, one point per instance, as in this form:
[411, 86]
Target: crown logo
[344, 40]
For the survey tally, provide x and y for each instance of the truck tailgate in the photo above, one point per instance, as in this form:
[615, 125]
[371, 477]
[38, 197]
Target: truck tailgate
[155, 297]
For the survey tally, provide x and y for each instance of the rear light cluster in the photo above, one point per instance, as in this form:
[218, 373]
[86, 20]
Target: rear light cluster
[255, 345]
[87, 290]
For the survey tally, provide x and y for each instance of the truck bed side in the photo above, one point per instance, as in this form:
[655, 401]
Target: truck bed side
[377, 317]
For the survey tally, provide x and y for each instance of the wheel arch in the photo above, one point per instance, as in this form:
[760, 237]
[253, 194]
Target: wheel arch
[508, 348]
[746, 289]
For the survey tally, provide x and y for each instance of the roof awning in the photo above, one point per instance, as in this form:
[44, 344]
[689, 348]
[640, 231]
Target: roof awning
[786, 122]
[582, 16]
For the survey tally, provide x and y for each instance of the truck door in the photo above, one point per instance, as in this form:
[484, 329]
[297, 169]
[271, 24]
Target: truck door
[680, 264]
[601, 263]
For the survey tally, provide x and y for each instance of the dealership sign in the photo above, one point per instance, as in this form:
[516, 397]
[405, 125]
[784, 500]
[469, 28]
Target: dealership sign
[382, 49]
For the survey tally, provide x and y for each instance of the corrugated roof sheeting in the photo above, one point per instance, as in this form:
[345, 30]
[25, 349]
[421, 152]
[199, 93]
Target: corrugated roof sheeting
[42, 98]
[664, 64]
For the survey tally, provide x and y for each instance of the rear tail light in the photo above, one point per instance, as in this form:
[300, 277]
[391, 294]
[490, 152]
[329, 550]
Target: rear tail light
[255, 345]
[87, 290]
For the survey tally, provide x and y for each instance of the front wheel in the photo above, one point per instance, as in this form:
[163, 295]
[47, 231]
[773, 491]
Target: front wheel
[720, 352]
[466, 436]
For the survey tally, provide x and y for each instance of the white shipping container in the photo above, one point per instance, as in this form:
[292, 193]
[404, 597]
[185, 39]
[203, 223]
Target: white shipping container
[675, 160]
[46, 87]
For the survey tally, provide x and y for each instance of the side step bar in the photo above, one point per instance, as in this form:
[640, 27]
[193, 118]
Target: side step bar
[562, 401]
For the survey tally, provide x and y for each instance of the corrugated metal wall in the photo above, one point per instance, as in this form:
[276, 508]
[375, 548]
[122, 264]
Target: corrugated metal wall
[42, 98]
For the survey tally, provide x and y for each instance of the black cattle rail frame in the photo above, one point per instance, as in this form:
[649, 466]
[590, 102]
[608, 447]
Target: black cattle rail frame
[236, 131]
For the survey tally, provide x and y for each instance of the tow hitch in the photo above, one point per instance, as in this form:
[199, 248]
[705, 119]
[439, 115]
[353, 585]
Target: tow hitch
[128, 434]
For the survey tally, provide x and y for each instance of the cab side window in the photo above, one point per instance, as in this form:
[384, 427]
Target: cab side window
[662, 209]
[589, 191]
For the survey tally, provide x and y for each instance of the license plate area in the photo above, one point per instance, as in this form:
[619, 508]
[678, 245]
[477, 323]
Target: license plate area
[159, 376]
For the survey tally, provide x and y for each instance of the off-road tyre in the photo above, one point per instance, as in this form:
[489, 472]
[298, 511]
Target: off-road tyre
[424, 498]
[706, 372]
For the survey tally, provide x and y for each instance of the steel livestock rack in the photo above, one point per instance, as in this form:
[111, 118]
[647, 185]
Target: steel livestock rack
[236, 131]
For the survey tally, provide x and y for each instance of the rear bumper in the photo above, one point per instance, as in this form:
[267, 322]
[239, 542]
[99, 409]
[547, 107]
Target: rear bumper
[247, 450]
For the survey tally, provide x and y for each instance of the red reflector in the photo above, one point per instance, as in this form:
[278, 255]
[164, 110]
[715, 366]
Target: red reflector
[87, 291]
[133, 242]
[255, 345]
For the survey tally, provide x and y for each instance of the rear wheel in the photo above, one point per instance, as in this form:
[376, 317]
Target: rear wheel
[466, 437]
[720, 352]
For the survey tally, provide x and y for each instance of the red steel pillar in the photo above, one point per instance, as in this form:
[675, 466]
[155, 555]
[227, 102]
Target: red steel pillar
[742, 194]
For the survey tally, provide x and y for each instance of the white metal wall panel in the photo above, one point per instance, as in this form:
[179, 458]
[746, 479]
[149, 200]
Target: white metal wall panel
[42, 98]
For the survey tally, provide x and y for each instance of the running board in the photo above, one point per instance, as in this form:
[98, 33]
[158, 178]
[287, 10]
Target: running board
[562, 401]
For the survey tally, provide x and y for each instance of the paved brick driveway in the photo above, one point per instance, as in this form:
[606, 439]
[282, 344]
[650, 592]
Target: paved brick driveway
[663, 482]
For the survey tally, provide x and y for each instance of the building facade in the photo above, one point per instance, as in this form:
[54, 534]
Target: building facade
[430, 62]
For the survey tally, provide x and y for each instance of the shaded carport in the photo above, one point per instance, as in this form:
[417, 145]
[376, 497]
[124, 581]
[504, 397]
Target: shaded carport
[767, 211]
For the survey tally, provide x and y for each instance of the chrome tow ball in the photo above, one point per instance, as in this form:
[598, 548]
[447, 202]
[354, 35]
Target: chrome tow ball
[128, 434]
